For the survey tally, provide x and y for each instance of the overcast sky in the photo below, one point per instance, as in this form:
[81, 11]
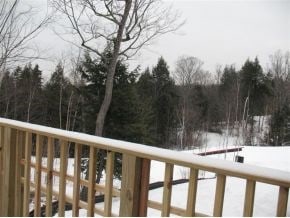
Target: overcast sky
[217, 32]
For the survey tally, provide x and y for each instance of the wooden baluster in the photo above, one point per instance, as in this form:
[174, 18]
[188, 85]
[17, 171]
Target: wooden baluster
[92, 182]
[76, 184]
[26, 194]
[130, 187]
[192, 192]
[37, 175]
[249, 198]
[109, 183]
[1, 161]
[167, 189]
[49, 183]
[20, 143]
[62, 178]
[145, 179]
[9, 181]
[219, 195]
[282, 201]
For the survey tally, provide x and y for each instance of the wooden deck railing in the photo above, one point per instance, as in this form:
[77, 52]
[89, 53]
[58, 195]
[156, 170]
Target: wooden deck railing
[16, 167]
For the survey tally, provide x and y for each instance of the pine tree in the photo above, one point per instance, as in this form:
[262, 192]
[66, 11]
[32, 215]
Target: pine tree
[29, 87]
[56, 94]
[145, 89]
[165, 100]
[255, 86]
[6, 95]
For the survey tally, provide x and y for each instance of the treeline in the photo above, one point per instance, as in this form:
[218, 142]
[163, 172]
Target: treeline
[156, 107]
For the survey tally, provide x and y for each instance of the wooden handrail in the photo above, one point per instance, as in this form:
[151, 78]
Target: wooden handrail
[136, 160]
[245, 171]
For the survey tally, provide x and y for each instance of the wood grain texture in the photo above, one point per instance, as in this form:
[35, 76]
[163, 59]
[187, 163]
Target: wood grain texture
[37, 175]
[49, 176]
[76, 181]
[249, 198]
[27, 172]
[145, 180]
[9, 182]
[1, 161]
[219, 195]
[282, 202]
[192, 192]
[109, 183]
[20, 143]
[167, 190]
[92, 181]
[62, 178]
[130, 187]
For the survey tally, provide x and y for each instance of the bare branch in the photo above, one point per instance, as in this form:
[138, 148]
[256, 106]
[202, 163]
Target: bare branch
[125, 26]
[17, 30]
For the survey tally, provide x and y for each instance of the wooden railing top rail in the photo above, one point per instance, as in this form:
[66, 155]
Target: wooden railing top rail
[259, 174]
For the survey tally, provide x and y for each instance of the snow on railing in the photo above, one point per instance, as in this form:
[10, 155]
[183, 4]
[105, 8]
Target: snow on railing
[18, 138]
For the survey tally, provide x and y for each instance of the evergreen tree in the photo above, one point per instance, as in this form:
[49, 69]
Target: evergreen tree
[165, 100]
[56, 93]
[123, 120]
[229, 94]
[145, 89]
[29, 87]
[6, 95]
[255, 87]
[280, 126]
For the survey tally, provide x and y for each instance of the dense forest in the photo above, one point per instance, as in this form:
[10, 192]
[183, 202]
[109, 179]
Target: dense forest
[157, 107]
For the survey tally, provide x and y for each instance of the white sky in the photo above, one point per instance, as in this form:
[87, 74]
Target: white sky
[217, 32]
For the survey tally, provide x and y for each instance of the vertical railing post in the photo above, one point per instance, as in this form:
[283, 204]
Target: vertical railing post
[109, 183]
[92, 181]
[1, 162]
[19, 172]
[130, 188]
[62, 177]
[37, 175]
[144, 186]
[219, 195]
[27, 172]
[9, 182]
[167, 190]
[192, 192]
[76, 185]
[49, 182]
[282, 201]
[249, 198]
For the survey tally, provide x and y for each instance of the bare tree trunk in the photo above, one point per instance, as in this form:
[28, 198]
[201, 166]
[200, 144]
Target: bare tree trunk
[101, 116]
[7, 109]
[111, 73]
[237, 105]
[75, 113]
[68, 113]
[31, 96]
[60, 104]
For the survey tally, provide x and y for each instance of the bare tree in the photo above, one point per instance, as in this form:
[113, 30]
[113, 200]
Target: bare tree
[17, 29]
[186, 74]
[187, 70]
[280, 70]
[125, 26]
